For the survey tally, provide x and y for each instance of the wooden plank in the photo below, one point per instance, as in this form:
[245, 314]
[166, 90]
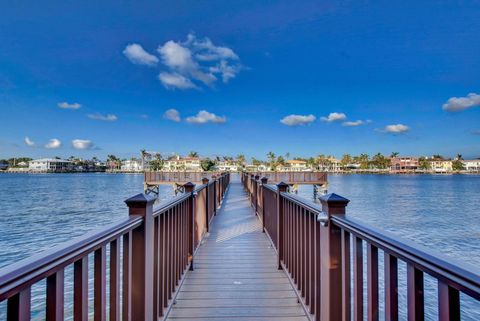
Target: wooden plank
[237, 312]
[258, 302]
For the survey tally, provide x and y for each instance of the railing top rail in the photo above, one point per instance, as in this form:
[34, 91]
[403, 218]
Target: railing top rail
[309, 205]
[15, 277]
[461, 276]
[165, 206]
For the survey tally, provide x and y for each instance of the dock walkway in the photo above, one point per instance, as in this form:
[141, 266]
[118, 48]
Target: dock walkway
[236, 275]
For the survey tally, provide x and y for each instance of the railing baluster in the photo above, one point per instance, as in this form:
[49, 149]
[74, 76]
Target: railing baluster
[372, 285]
[115, 280]
[346, 282]
[156, 267]
[448, 303]
[100, 284]
[307, 256]
[160, 266]
[164, 234]
[391, 287]
[318, 279]
[313, 219]
[18, 306]
[80, 289]
[358, 278]
[415, 294]
[55, 298]
[127, 277]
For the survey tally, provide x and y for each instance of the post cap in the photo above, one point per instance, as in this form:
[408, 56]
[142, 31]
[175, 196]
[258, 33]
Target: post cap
[257, 176]
[189, 187]
[205, 180]
[282, 187]
[333, 203]
[140, 200]
[264, 180]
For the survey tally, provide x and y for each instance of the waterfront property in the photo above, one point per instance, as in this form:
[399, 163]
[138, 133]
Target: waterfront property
[50, 165]
[404, 164]
[203, 255]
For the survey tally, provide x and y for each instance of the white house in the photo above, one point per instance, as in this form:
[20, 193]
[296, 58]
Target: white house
[227, 166]
[472, 165]
[441, 166]
[293, 165]
[132, 165]
[49, 165]
[188, 164]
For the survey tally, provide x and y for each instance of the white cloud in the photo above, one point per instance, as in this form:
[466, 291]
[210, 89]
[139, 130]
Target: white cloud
[354, 123]
[176, 56]
[455, 104]
[66, 105]
[137, 55]
[196, 61]
[334, 117]
[204, 117]
[29, 142]
[396, 129]
[172, 114]
[53, 144]
[296, 120]
[82, 144]
[107, 117]
[175, 80]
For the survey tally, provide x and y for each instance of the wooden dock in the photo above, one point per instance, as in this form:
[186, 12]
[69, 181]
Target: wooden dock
[236, 274]
[203, 256]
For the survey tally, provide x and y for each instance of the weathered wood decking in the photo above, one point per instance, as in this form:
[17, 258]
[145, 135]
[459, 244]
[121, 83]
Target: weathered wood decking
[236, 275]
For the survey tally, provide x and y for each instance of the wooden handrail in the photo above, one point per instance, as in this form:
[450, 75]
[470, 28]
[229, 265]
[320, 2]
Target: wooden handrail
[151, 249]
[315, 245]
[462, 276]
[17, 276]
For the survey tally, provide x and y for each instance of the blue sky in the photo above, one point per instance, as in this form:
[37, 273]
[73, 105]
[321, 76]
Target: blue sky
[358, 77]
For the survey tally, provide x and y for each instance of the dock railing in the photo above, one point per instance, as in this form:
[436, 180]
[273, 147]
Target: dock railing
[317, 243]
[299, 177]
[150, 250]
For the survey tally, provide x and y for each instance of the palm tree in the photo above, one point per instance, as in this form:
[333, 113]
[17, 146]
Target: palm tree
[459, 156]
[394, 154]
[193, 154]
[241, 159]
[271, 159]
[287, 155]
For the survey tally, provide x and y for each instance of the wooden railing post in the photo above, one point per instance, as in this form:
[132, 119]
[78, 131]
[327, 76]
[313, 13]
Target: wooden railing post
[142, 258]
[331, 259]
[255, 206]
[207, 201]
[281, 188]
[264, 181]
[189, 188]
[214, 179]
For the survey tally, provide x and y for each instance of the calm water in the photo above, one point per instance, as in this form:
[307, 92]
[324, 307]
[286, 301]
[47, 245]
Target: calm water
[441, 212]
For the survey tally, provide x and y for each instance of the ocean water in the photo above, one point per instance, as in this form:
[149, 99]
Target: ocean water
[441, 212]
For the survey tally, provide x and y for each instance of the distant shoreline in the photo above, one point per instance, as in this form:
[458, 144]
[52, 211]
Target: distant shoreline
[329, 173]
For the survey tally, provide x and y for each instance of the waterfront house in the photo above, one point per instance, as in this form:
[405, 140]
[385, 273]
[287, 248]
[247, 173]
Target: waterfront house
[188, 164]
[404, 164]
[50, 165]
[441, 166]
[293, 165]
[472, 166]
[227, 166]
[331, 164]
[132, 165]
